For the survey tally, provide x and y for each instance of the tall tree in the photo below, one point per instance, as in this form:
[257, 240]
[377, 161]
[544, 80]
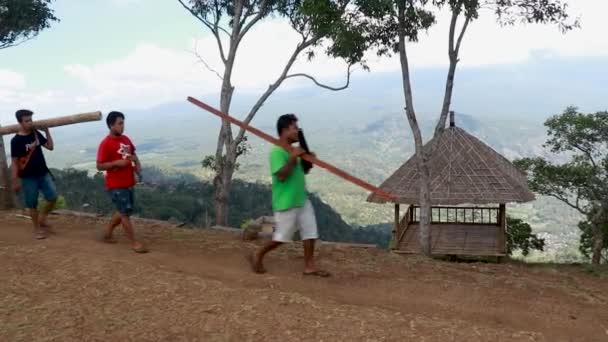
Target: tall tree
[336, 24]
[22, 20]
[507, 12]
[582, 182]
[397, 22]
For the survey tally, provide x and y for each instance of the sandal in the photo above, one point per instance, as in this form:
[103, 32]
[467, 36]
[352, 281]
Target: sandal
[102, 236]
[318, 273]
[140, 249]
[40, 234]
[47, 228]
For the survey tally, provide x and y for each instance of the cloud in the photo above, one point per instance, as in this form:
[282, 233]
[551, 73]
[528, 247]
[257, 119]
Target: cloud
[10, 80]
[151, 74]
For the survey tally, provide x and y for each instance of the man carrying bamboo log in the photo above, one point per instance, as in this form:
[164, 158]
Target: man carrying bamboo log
[292, 209]
[116, 155]
[30, 172]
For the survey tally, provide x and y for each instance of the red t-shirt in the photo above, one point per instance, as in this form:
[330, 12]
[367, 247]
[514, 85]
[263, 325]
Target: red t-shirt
[112, 149]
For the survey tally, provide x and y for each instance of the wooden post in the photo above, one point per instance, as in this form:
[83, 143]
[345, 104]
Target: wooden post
[6, 194]
[502, 247]
[396, 230]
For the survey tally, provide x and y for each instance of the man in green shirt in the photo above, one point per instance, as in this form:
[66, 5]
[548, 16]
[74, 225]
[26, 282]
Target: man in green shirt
[290, 204]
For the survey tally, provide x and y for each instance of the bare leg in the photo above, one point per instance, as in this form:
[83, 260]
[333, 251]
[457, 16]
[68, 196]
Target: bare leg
[257, 263]
[45, 213]
[309, 260]
[309, 256]
[39, 233]
[128, 227]
[114, 222]
[109, 229]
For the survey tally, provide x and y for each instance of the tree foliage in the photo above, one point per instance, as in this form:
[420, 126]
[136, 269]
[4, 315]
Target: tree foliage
[520, 237]
[21, 20]
[582, 181]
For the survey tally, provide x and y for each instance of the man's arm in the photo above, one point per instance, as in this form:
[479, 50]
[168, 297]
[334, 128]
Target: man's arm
[286, 170]
[135, 159]
[103, 165]
[111, 165]
[15, 174]
[49, 145]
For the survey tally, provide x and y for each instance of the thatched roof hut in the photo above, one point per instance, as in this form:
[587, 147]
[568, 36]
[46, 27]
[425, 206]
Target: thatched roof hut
[463, 170]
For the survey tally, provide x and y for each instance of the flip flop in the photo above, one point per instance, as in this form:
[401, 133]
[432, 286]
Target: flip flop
[254, 267]
[109, 239]
[140, 249]
[48, 228]
[319, 273]
[102, 237]
[40, 235]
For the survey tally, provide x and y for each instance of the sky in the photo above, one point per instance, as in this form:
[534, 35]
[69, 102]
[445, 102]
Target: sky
[134, 54]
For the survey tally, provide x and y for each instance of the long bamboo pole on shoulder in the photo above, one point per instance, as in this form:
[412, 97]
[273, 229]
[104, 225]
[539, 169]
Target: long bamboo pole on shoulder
[336, 171]
[55, 122]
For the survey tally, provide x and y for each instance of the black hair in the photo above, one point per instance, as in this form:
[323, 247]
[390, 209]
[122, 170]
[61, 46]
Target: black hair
[21, 113]
[285, 121]
[112, 117]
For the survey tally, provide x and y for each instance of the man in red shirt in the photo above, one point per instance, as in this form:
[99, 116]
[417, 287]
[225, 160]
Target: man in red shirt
[116, 155]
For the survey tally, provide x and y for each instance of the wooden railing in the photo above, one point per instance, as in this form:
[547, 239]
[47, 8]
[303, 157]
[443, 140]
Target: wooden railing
[459, 215]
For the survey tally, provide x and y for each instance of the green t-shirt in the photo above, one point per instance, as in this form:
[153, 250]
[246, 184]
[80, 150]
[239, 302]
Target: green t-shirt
[292, 192]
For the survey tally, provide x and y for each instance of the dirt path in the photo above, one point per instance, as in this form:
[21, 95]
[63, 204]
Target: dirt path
[196, 286]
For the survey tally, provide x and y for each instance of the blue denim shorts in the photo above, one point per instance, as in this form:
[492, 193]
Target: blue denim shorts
[32, 186]
[123, 200]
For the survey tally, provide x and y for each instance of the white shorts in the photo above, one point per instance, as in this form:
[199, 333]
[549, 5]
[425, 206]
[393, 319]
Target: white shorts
[289, 221]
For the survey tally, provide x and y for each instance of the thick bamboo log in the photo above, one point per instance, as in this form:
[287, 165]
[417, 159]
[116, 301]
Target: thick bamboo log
[308, 157]
[55, 122]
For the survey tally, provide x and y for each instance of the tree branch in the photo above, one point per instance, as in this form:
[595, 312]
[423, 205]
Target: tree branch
[464, 28]
[451, 48]
[256, 107]
[348, 73]
[202, 60]
[213, 27]
[587, 153]
[567, 202]
[258, 16]
[13, 44]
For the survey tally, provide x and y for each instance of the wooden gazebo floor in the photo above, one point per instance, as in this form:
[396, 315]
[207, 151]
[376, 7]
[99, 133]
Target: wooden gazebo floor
[455, 239]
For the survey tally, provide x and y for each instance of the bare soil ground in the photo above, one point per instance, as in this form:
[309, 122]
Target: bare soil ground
[197, 286]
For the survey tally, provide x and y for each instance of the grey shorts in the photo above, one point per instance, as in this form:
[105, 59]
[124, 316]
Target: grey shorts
[289, 221]
[124, 200]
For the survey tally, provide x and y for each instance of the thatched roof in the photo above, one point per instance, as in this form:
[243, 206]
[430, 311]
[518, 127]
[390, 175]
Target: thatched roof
[463, 170]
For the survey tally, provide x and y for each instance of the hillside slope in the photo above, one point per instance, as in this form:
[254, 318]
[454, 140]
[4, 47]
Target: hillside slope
[196, 285]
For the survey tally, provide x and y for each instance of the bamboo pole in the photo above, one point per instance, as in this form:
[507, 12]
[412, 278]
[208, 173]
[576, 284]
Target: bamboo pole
[340, 173]
[54, 122]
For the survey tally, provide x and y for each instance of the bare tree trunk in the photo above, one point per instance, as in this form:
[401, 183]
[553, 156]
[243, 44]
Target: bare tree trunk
[447, 99]
[598, 235]
[224, 167]
[598, 244]
[425, 200]
[453, 51]
[6, 195]
[223, 175]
